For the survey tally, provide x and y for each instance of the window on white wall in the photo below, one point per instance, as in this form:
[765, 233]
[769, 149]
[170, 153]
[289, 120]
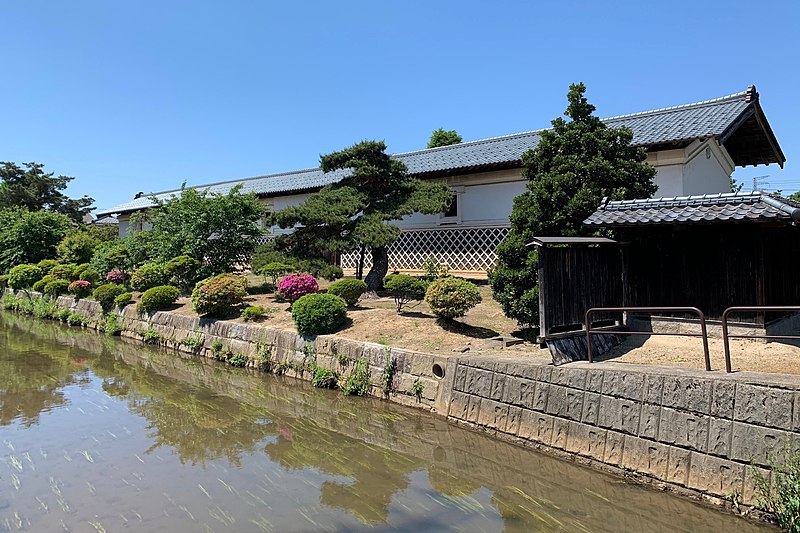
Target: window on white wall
[453, 214]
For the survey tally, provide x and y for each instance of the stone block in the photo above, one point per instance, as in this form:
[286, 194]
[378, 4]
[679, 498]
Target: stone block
[688, 430]
[513, 421]
[722, 399]
[720, 477]
[591, 406]
[758, 444]
[619, 414]
[478, 382]
[645, 456]
[765, 406]
[623, 384]
[540, 394]
[560, 433]
[587, 440]
[543, 373]
[493, 414]
[536, 427]
[569, 377]
[498, 384]
[421, 365]
[615, 444]
[678, 465]
[719, 436]
[749, 491]
[518, 391]
[688, 393]
[565, 402]
[594, 380]
[648, 421]
[461, 378]
[653, 389]
[464, 407]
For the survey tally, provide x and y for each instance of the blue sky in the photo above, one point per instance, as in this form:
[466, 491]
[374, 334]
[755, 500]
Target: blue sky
[140, 96]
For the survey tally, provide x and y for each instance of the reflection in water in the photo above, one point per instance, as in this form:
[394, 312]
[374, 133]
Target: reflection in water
[99, 433]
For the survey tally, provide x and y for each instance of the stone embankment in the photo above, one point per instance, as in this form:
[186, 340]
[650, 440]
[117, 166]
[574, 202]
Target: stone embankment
[699, 432]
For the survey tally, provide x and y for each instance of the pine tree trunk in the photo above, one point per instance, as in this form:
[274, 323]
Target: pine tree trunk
[380, 266]
[360, 265]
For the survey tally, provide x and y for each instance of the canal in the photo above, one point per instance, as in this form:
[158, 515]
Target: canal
[103, 434]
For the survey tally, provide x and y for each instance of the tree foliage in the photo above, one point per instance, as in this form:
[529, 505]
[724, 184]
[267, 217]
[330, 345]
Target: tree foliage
[217, 230]
[440, 137]
[356, 211]
[30, 236]
[35, 190]
[575, 165]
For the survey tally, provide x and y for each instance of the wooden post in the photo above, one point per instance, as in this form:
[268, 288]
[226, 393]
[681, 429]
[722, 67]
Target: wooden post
[543, 330]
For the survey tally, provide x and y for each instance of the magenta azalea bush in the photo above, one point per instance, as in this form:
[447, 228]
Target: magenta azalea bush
[80, 288]
[294, 286]
[118, 276]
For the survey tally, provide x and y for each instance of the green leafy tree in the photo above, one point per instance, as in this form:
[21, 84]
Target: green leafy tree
[795, 196]
[218, 230]
[30, 236]
[440, 137]
[35, 190]
[355, 212]
[575, 165]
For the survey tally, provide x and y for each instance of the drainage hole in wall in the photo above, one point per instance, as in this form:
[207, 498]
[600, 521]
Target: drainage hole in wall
[438, 371]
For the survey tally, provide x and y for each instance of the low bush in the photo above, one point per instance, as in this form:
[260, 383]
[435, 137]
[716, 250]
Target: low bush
[44, 307]
[111, 325]
[434, 269]
[63, 315]
[324, 378]
[295, 286]
[148, 276]
[80, 270]
[77, 319]
[219, 295]
[77, 247]
[24, 276]
[350, 290]
[255, 312]
[120, 277]
[156, 298]
[47, 264]
[274, 271]
[42, 283]
[182, 272]
[123, 299]
[107, 294]
[151, 336]
[357, 383]
[404, 289]
[80, 288]
[781, 497]
[3, 281]
[451, 298]
[64, 271]
[238, 359]
[89, 274]
[319, 268]
[56, 288]
[317, 314]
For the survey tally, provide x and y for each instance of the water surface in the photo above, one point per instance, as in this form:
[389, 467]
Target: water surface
[102, 434]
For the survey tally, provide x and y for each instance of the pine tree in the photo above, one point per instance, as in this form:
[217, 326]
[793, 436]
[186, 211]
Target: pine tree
[440, 137]
[575, 165]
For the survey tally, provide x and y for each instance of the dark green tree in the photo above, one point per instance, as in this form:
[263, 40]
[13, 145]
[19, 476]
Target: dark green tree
[30, 236]
[36, 190]
[575, 165]
[218, 230]
[355, 213]
[440, 137]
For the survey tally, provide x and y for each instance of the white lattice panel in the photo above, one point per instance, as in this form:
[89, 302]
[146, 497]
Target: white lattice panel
[461, 249]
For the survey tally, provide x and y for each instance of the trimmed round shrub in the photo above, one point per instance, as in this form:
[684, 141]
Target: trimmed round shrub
[80, 270]
[274, 271]
[156, 298]
[123, 299]
[91, 275]
[404, 288]
[219, 295]
[3, 281]
[452, 297]
[182, 271]
[255, 312]
[294, 286]
[65, 271]
[120, 277]
[80, 288]
[57, 287]
[42, 283]
[350, 290]
[148, 276]
[24, 276]
[317, 314]
[77, 247]
[47, 264]
[106, 294]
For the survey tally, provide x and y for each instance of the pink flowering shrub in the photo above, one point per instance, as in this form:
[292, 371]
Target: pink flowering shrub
[80, 288]
[118, 276]
[294, 286]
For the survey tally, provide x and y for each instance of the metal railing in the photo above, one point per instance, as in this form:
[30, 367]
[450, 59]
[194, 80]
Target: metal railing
[694, 310]
[765, 308]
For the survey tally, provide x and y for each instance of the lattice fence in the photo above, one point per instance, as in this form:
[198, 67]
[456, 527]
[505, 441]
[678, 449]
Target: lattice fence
[461, 249]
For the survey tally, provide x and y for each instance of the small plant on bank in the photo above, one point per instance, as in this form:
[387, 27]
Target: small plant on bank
[324, 378]
[80, 288]
[389, 371]
[782, 496]
[44, 308]
[255, 312]
[357, 383]
[63, 315]
[318, 314]
[111, 326]
[123, 299]
[238, 359]
[272, 272]
[157, 298]
[451, 298]
[404, 289]
[216, 349]
[118, 276]
[151, 336]
[219, 295]
[193, 343]
[106, 294]
[148, 276]
[42, 283]
[24, 276]
[56, 288]
[295, 286]
[417, 388]
[350, 290]
[77, 319]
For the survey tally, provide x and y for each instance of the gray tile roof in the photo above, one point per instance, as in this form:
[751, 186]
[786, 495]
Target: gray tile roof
[736, 207]
[670, 125]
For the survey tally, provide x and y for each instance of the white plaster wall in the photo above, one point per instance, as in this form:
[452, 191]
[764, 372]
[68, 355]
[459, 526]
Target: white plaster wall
[705, 174]
[669, 179]
[124, 223]
[278, 203]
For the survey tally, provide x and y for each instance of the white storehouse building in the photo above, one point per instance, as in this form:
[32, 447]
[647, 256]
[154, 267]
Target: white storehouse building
[694, 147]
